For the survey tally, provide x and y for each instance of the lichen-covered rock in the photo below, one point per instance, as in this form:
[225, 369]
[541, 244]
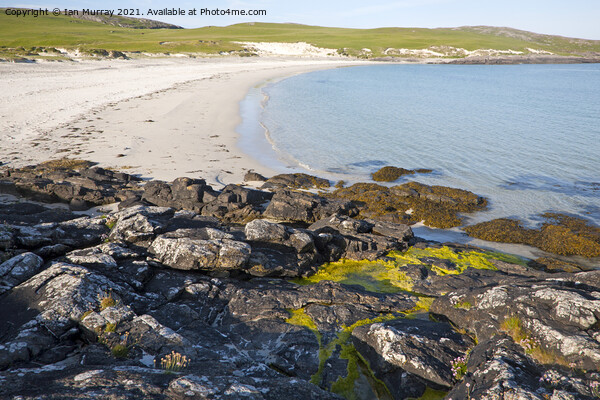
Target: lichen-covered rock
[139, 223]
[18, 269]
[423, 348]
[214, 255]
[261, 230]
[41, 311]
[68, 181]
[552, 317]
[6, 238]
[340, 236]
[497, 370]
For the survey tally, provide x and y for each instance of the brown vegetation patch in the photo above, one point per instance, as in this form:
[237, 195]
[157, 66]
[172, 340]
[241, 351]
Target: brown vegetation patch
[390, 174]
[549, 264]
[297, 181]
[559, 234]
[437, 206]
[66, 164]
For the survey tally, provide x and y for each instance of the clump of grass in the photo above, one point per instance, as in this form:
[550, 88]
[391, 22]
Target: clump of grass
[110, 327]
[120, 351]
[174, 362]
[512, 326]
[85, 314]
[106, 300]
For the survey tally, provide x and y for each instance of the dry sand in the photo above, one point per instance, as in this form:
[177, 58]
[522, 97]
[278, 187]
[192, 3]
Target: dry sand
[160, 118]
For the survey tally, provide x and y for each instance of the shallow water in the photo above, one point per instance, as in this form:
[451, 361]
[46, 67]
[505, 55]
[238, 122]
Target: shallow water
[525, 136]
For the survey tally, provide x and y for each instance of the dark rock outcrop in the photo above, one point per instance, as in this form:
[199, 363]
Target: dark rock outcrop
[424, 349]
[96, 306]
[69, 181]
[290, 206]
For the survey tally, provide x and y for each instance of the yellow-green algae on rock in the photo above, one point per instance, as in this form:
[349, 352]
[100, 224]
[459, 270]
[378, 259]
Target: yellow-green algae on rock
[357, 365]
[386, 276]
[383, 276]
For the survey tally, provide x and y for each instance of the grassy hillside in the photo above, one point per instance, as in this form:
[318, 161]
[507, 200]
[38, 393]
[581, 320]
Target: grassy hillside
[63, 31]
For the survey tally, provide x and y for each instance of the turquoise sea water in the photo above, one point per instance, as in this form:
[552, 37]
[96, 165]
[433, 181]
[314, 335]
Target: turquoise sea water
[525, 136]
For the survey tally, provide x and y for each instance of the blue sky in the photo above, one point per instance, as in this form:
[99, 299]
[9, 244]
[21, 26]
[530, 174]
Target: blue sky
[575, 18]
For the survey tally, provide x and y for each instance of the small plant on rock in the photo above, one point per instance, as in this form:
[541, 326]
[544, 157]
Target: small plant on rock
[595, 389]
[120, 351]
[465, 305]
[174, 362]
[459, 367]
[110, 223]
[119, 345]
[106, 300]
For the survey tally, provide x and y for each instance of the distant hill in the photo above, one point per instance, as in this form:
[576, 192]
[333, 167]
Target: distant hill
[121, 34]
[127, 22]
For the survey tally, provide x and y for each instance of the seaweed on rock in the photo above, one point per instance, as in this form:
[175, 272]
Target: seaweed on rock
[412, 202]
[390, 174]
[559, 234]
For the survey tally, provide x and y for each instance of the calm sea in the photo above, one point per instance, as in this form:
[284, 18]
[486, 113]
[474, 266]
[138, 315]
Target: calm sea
[525, 136]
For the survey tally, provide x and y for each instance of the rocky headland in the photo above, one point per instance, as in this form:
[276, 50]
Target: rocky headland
[187, 292]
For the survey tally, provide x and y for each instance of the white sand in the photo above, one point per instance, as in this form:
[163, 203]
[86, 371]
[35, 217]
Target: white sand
[160, 118]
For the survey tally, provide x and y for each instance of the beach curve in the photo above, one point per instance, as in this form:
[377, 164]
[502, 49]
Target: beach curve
[161, 119]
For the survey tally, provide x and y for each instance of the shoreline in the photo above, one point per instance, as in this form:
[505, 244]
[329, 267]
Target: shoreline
[188, 129]
[197, 136]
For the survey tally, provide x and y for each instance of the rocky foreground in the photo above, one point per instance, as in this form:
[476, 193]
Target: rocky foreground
[187, 292]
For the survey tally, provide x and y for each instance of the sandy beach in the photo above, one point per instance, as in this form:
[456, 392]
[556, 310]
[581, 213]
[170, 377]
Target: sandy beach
[160, 118]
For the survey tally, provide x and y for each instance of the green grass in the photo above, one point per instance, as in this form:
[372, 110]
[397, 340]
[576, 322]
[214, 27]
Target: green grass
[64, 31]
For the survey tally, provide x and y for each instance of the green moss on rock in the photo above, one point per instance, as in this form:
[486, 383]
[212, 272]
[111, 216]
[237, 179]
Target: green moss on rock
[559, 234]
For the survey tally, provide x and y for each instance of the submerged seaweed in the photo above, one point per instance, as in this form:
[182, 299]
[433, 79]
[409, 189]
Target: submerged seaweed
[559, 234]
